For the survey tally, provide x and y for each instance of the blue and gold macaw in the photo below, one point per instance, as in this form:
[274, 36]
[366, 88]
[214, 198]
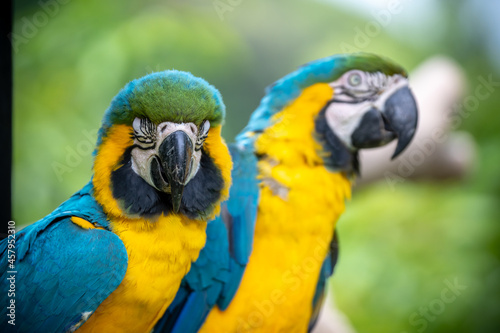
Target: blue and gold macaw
[294, 163]
[111, 258]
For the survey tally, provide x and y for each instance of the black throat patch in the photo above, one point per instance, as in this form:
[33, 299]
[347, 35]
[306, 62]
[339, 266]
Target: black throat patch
[137, 197]
[335, 154]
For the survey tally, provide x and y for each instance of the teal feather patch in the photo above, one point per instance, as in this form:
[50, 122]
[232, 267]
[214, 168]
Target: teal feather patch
[63, 272]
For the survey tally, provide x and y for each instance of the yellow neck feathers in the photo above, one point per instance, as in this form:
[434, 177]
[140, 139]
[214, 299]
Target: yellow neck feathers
[216, 147]
[107, 160]
[290, 139]
[293, 166]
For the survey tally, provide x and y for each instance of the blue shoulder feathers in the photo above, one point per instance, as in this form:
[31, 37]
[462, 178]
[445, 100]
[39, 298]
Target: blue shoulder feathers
[52, 299]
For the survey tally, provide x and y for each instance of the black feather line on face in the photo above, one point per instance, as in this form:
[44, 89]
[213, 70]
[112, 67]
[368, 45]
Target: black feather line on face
[335, 154]
[137, 197]
[203, 192]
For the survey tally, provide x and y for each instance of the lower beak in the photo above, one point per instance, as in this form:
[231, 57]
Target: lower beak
[175, 154]
[397, 120]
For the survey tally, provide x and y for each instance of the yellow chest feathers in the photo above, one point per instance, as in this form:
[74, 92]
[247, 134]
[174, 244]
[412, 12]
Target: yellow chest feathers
[292, 238]
[159, 256]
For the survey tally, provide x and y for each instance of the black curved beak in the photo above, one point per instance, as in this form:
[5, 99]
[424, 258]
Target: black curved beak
[176, 153]
[401, 113]
[397, 120]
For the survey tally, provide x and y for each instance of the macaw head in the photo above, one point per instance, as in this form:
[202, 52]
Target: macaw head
[356, 101]
[371, 106]
[160, 150]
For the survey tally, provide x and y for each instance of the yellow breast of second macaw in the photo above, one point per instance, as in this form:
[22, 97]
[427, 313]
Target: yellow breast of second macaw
[159, 256]
[300, 202]
[291, 242]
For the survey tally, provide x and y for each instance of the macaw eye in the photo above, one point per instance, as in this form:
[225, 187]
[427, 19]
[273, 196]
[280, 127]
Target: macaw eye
[202, 134]
[144, 132]
[354, 79]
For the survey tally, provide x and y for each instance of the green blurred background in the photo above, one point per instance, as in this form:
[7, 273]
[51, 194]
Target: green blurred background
[397, 247]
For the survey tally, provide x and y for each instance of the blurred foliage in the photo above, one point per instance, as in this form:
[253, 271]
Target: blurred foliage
[397, 247]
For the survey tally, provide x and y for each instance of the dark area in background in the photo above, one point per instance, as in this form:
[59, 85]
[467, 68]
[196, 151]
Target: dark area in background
[6, 116]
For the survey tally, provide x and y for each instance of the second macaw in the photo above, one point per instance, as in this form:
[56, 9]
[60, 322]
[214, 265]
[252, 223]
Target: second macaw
[294, 164]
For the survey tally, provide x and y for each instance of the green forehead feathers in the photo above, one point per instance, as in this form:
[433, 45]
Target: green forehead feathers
[366, 62]
[171, 95]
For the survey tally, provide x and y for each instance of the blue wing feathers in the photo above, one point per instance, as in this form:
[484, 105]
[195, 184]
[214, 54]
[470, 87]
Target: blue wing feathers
[326, 271]
[230, 288]
[62, 269]
[242, 203]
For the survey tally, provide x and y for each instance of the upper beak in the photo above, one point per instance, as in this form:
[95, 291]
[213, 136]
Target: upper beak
[402, 115]
[176, 153]
[398, 119]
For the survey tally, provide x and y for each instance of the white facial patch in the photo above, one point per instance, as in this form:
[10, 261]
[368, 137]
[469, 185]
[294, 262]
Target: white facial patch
[355, 93]
[148, 141]
[344, 118]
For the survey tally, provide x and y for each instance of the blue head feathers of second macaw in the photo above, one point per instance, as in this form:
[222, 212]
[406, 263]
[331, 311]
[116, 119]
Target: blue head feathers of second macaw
[160, 151]
[366, 102]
